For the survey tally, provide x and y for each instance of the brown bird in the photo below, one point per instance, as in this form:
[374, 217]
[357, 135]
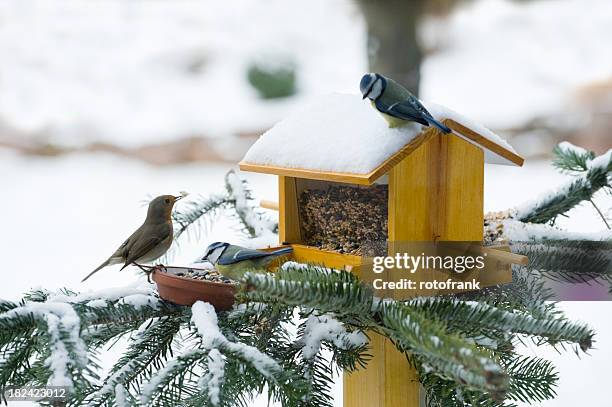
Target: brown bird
[150, 241]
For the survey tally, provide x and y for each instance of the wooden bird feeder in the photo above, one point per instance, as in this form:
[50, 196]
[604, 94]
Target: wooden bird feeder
[435, 185]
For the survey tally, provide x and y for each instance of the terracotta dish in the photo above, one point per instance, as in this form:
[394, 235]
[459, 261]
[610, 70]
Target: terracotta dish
[186, 291]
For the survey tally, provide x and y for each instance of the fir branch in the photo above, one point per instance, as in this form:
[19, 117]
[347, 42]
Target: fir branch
[146, 352]
[168, 385]
[449, 355]
[593, 175]
[531, 379]
[475, 318]
[569, 260]
[327, 290]
[570, 158]
[255, 224]
[205, 321]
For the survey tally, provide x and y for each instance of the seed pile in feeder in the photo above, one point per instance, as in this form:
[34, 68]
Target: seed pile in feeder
[345, 219]
[206, 275]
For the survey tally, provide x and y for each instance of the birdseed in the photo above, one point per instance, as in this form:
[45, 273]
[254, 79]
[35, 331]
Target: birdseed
[204, 275]
[345, 219]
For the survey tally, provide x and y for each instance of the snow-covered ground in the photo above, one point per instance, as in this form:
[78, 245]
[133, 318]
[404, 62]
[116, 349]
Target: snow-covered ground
[62, 217]
[137, 72]
[512, 61]
[72, 70]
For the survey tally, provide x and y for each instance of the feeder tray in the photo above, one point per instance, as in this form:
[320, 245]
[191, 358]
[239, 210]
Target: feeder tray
[186, 291]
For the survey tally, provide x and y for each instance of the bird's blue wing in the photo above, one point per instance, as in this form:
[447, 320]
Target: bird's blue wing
[404, 111]
[412, 109]
[249, 254]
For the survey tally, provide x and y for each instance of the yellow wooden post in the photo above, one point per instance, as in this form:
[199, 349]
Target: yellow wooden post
[435, 193]
[289, 229]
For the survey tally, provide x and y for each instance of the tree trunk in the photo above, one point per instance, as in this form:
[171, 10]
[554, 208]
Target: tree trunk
[393, 49]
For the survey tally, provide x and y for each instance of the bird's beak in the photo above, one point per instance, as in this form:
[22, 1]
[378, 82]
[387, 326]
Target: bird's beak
[178, 198]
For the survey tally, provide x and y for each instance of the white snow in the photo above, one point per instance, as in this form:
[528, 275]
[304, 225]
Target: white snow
[567, 146]
[121, 396]
[140, 301]
[133, 290]
[341, 133]
[506, 62]
[205, 320]
[518, 231]
[99, 303]
[602, 162]
[326, 328]
[119, 71]
[261, 225]
[242, 308]
[61, 319]
[213, 380]
[440, 111]
[150, 71]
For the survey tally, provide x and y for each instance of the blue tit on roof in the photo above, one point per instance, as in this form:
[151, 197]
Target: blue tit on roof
[233, 261]
[395, 103]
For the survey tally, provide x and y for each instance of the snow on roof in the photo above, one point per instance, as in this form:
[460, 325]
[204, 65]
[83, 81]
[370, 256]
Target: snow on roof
[342, 133]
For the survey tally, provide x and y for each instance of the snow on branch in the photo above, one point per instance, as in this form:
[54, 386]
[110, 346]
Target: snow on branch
[259, 227]
[325, 328]
[121, 396]
[591, 174]
[204, 318]
[215, 377]
[517, 231]
[137, 295]
[67, 349]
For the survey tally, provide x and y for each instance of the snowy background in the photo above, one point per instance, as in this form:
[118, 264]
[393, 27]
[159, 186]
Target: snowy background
[134, 74]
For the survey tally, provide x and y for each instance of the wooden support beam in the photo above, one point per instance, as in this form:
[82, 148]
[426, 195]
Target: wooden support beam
[266, 204]
[289, 230]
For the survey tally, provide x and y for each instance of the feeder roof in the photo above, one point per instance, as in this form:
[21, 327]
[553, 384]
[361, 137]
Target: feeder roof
[342, 138]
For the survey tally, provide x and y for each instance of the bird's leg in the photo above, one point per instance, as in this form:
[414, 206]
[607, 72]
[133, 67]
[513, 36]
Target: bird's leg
[147, 270]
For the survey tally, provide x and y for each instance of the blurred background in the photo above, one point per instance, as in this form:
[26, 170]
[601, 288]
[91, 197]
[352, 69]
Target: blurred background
[106, 103]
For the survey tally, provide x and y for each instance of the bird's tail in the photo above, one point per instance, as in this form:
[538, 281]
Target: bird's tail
[435, 123]
[281, 252]
[100, 267]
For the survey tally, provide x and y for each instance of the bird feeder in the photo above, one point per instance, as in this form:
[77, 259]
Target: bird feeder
[427, 185]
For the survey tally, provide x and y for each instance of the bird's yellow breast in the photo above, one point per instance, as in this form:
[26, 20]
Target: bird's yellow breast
[391, 121]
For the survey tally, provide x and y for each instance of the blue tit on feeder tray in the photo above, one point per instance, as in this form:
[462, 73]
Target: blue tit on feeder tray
[395, 103]
[233, 261]
[150, 241]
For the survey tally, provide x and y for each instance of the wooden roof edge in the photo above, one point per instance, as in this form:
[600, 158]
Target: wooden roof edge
[385, 166]
[484, 142]
[344, 177]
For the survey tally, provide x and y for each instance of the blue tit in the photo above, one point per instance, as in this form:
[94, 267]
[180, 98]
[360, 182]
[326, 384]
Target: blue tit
[396, 104]
[233, 261]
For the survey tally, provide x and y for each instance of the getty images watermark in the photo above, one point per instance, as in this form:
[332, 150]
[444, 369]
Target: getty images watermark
[422, 262]
[565, 270]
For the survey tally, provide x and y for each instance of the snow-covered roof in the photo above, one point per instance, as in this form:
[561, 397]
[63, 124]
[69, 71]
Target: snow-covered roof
[343, 134]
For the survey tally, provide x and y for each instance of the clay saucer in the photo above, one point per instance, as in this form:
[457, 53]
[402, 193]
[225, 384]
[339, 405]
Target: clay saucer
[186, 291]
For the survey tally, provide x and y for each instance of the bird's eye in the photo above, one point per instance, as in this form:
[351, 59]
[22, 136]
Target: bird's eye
[167, 200]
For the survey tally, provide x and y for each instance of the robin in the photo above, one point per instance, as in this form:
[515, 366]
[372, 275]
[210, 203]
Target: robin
[150, 241]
